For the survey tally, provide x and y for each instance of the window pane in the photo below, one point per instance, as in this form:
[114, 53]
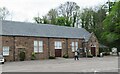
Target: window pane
[40, 46]
[55, 44]
[40, 49]
[35, 43]
[73, 49]
[58, 45]
[40, 43]
[5, 51]
[72, 44]
[76, 44]
[35, 49]
[76, 48]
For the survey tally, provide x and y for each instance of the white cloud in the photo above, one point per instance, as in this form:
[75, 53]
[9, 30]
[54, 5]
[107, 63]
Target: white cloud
[27, 9]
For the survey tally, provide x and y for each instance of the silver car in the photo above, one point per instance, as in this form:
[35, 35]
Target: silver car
[2, 59]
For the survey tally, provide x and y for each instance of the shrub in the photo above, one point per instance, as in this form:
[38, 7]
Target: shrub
[106, 53]
[51, 57]
[90, 56]
[22, 56]
[65, 56]
[33, 57]
[98, 55]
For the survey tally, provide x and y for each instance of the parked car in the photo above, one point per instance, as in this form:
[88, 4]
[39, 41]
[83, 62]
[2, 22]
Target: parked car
[2, 60]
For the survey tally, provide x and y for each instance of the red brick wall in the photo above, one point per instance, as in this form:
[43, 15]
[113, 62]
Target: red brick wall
[93, 41]
[0, 44]
[70, 53]
[8, 41]
[15, 43]
[28, 43]
[52, 47]
[66, 46]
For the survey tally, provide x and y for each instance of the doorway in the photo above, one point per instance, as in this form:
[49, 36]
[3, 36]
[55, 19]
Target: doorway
[93, 51]
[21, 54]
[58, 52]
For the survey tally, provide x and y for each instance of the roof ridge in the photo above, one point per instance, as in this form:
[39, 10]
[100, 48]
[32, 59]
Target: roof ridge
[41, 24]
[44, 30]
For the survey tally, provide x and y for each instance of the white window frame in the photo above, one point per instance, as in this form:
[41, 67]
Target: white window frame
[35, 46]
[58, 45]
[74, 46]
[38, 46]
[6, 50]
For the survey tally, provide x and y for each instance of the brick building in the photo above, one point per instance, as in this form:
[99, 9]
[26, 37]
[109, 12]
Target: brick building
[44, 40]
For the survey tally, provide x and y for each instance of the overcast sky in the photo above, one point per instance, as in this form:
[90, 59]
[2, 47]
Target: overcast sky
[25, 10]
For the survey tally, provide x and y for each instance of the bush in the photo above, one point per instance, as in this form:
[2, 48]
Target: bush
[51, 57]
[106, 53]
[65, 56]
[90, 56]
[22, 56]
[98, 55]
[33, 57]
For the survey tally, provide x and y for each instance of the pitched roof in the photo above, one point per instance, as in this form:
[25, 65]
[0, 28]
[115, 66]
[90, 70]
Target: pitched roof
[42, 30]
[103, 46]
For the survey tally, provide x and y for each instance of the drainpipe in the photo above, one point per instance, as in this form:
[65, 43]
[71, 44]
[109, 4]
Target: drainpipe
[67, 45]
[14, 48]
[84, 46]
[48, 47]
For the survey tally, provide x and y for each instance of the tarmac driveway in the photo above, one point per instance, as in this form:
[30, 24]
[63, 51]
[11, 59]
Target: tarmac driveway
[105, 64]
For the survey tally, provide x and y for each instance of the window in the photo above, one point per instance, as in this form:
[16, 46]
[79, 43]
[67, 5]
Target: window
[35, 46]
[58, 45]
[38, 46]
[5, 51]
[74, 46]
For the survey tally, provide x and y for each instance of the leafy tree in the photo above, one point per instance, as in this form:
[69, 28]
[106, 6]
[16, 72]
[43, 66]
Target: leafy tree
[52, 15]
[111, 34]
[109, 4]
[86, 17]
[50, 18]
[61, 21]
[65, 14]
[45, 20]
[74, 19]
[66, 10]
[99, 17]
[3, 13]
[92, 19]
[37, 19]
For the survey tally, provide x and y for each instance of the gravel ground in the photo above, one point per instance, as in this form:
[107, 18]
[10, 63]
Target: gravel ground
[105, 64]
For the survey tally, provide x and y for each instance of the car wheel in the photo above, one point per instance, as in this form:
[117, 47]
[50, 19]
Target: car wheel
[2, 62]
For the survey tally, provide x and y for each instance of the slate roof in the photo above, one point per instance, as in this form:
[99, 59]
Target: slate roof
[14, 28]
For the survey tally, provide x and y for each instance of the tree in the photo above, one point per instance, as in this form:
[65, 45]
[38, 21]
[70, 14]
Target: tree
[92, 19]
[87, 19]
[3, 13]
[109, 5]
[65, 14]
[45, 20]
[50, 18]
[99, 17]
[111, 34]
[37, 19]
[60, 21]
[66, 10]
[52, 15]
